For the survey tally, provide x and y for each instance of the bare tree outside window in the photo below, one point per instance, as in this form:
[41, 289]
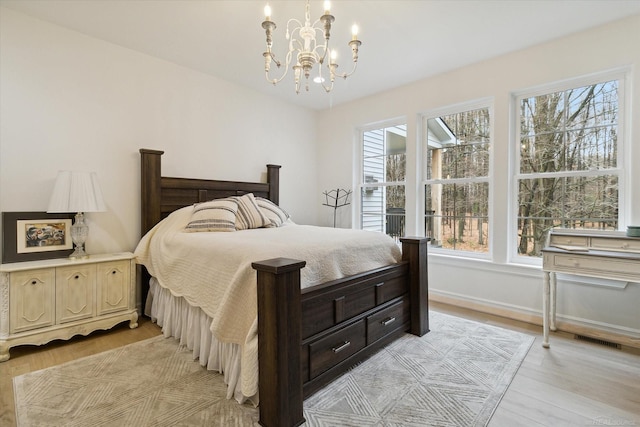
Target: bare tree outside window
[456, 162]
[568, 163]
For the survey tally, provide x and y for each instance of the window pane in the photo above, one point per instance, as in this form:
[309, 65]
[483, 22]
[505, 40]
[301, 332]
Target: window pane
[384, 161]
[571, 130]
[457, 145]
[383, 210]
[457, 216]
[540, 153]
[593, 106]
[574, 130]
[541, 114]
[384, 153]
[583, 202]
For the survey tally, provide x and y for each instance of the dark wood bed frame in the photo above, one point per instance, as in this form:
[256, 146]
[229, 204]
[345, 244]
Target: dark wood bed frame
[345, 321]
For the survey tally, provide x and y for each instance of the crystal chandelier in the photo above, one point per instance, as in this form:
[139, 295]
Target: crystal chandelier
[305, 51]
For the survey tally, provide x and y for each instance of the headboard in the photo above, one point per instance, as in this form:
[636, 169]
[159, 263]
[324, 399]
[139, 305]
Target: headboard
[162, 195]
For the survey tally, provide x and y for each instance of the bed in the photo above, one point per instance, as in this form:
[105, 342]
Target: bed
[306, 332]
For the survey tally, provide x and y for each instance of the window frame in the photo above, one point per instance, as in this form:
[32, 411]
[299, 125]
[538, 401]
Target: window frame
[358, 178]
[622, 171]
[477, 104]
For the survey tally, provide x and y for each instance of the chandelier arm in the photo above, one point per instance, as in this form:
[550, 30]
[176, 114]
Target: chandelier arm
[324, 47]
[298, 23]
[327, 88]
[345, 75]
[277, 80]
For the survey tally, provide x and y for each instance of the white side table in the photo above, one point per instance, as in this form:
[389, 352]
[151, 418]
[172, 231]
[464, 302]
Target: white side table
[58, 298]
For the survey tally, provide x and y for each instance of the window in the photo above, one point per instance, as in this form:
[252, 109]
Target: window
[569, 170]
[382, 195]
[456, 152]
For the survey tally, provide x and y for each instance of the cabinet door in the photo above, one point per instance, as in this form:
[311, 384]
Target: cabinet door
[75, 292]
[32, 299]
[113, 286]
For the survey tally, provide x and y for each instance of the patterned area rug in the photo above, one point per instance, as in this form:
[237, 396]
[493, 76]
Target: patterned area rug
[453, 376]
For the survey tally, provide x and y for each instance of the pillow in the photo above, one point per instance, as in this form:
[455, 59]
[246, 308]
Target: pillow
[215, 215]
[249, 214]
[274, 213]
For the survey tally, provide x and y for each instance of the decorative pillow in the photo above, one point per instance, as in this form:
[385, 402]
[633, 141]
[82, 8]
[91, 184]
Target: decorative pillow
[249, 214]
[215, 215]
[274, 213]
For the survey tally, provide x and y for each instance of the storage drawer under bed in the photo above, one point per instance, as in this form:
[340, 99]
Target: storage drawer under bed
[331, 350]
[388, 320]
[319, 355]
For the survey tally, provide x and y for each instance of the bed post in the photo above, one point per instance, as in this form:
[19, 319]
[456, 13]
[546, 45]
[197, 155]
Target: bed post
[149, 210]
[151, 191]
[273, 179]
[414, 250]
[279, 338]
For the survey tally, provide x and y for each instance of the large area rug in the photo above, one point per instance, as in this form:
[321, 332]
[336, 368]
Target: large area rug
[453, 376]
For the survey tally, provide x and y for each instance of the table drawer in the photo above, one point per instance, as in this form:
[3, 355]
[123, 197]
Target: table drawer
[630, 245]
[556, 239]
[336, 347]
[595, 266]
[388, 320]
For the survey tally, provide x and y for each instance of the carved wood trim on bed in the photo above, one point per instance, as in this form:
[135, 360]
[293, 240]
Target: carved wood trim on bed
[162, 195]
[345, 321]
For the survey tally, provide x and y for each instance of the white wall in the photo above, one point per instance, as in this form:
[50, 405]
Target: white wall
[68, 101]
[496, 285]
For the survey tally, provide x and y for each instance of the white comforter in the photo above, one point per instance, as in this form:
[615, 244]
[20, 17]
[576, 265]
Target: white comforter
[212, 270]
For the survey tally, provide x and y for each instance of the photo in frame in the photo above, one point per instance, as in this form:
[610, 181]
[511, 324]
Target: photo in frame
[31, 236]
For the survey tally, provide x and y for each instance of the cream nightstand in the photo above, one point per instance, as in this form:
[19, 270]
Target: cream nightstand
[58, 298]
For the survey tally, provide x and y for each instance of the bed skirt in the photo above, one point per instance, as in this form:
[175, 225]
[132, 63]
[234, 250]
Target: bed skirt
[191, 326]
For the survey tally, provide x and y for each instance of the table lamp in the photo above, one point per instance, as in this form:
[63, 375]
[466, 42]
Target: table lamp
[77, 192]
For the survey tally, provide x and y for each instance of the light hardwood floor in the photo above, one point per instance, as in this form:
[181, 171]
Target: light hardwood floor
[574, 383]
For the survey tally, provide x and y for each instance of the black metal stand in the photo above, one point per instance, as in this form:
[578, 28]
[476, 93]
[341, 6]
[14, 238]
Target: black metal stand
[336, 199]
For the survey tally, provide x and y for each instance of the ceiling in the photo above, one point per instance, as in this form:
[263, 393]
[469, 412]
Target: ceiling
[402, 40]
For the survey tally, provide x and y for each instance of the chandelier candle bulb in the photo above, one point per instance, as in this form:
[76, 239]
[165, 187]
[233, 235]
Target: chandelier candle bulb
[327, 7]
[354, 32]
[267, 13]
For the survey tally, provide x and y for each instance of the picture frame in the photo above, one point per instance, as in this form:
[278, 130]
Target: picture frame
[32, 236]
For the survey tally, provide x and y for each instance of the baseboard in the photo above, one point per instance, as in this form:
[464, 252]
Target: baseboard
[563, 325]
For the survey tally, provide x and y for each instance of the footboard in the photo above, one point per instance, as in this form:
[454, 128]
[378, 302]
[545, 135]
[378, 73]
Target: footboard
[344, 322]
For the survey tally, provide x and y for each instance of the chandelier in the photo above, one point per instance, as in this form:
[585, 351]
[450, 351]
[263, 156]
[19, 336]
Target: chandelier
[305, 51]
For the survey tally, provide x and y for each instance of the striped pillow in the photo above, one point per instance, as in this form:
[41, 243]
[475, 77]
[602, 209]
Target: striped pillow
[249, 214]
[274, 213]
[215, 215]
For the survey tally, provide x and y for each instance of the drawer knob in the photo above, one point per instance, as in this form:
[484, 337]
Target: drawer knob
[33, 282]
[77, 277]
[341, 347]
[388, 321]
[113, 272]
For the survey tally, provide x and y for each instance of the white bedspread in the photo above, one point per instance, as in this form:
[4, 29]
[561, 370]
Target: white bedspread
[213, 270]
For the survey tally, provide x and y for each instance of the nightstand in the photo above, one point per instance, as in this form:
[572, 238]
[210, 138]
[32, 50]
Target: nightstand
[58, 298]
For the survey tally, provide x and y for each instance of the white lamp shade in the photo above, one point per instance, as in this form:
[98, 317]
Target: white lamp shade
[76, 192]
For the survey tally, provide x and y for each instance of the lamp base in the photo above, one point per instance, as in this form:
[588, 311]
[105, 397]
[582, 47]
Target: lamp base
[79, 233]
[79, 253]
